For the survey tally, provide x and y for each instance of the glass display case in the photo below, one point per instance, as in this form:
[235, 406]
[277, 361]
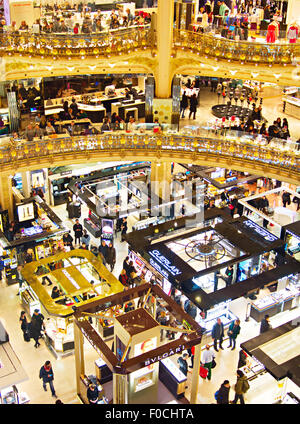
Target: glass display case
[143, 378]
[10, 395]
[172, 377]
[59, 334]
[29, 299]
[221, 311]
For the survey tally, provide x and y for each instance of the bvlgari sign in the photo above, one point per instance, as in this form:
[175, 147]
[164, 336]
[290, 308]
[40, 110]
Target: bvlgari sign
[171, 352]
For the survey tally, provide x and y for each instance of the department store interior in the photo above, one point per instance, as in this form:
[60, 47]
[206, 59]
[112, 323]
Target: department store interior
[149, 192]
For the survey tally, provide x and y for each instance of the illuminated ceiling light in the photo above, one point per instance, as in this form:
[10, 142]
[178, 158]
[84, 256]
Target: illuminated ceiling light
[49, 68]
[31, 67]
[215, 68]
[111, 65]
[233, 72]
[254, 74]
[70, 68]
[277, 76]
[92, 66]
[202, 65]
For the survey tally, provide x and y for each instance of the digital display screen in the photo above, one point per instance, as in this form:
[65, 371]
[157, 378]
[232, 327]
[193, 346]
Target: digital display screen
[25, 212]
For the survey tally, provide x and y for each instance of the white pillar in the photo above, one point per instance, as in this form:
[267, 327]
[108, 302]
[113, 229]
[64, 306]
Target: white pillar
[293, 12]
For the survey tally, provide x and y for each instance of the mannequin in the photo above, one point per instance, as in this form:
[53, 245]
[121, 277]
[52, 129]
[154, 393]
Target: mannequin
[292, 33]
[273, 32]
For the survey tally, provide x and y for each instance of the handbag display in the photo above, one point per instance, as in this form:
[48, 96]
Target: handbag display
[203, 372]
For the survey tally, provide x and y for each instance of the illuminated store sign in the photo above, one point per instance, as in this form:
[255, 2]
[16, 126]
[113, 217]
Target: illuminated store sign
[261, 231]
[165, 262]
[171, 352]
[158, 268]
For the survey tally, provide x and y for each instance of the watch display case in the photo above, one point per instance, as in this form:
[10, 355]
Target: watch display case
[219, 311]
[143, 378]
[172, 377]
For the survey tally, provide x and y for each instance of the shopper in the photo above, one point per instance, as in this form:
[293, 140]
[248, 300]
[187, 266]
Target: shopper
[207, 358]
[92, 394]
[78, 231]
[183, 365]
[124, 228]
[24, 326]
[103, 251]
[222, 395]
[55, 292]
[86, 238]
[68, 240]
[265, 324]
[218, 334]
[19, 278]
[286, 198]
[123, 278]
[46, 373]
[111, 256]
[234, 330]
[229, 275]
[241, 387]
[126, 264]
[184, 102]
[36, 325]
[193, 106]
[242, 359]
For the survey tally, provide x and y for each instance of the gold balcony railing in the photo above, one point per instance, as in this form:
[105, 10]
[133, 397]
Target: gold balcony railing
[122, 41]
[231, 147]
[209, 45]
[80, 45]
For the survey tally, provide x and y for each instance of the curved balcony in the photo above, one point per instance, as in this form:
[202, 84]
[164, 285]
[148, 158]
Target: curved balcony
[124, 41]
[277, 159]
[211, 46]
[106, 43]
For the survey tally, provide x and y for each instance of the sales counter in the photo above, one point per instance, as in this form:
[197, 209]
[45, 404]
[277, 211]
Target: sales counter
[136, 108]
[172, 377]
[292, 106]
[103, 372]
[279, 301]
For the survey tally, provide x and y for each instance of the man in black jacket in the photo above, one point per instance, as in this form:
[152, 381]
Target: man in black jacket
[46, 373]
[78, 231]
[218, 334]
[36, 325]
[183, 365]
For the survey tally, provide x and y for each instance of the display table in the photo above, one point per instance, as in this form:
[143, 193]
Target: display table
[292, 106]
[59, 342]
[103, 372]
[172, 377]
[273, 304]
[284, 215]
[92, 228]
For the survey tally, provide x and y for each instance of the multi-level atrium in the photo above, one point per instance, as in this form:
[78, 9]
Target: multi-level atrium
[149, 202]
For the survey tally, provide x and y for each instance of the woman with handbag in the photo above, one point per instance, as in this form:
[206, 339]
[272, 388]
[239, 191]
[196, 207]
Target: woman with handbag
[234, 330]
[207, 359]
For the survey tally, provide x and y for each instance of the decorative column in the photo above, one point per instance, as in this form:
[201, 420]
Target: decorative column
[160, 186]
[163, 77]
[6, 195]
[120, 388]
[195, 375]
[79, 355]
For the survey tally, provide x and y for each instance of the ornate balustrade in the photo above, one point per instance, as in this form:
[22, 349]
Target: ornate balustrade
[276, 158]
[125, 40]
[81, 45]
[242, 51]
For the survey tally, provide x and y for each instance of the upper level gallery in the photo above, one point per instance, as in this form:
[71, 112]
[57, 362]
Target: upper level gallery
[135, 49]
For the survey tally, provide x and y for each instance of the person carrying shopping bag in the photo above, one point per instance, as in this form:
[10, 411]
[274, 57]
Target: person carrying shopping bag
[207, 359]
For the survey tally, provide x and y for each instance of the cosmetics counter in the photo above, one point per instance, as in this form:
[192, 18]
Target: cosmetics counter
[10, 396]
[208, 318]
[282, 300]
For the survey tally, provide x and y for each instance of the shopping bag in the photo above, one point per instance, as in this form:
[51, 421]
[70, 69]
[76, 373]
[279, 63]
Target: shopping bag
[203, 372]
